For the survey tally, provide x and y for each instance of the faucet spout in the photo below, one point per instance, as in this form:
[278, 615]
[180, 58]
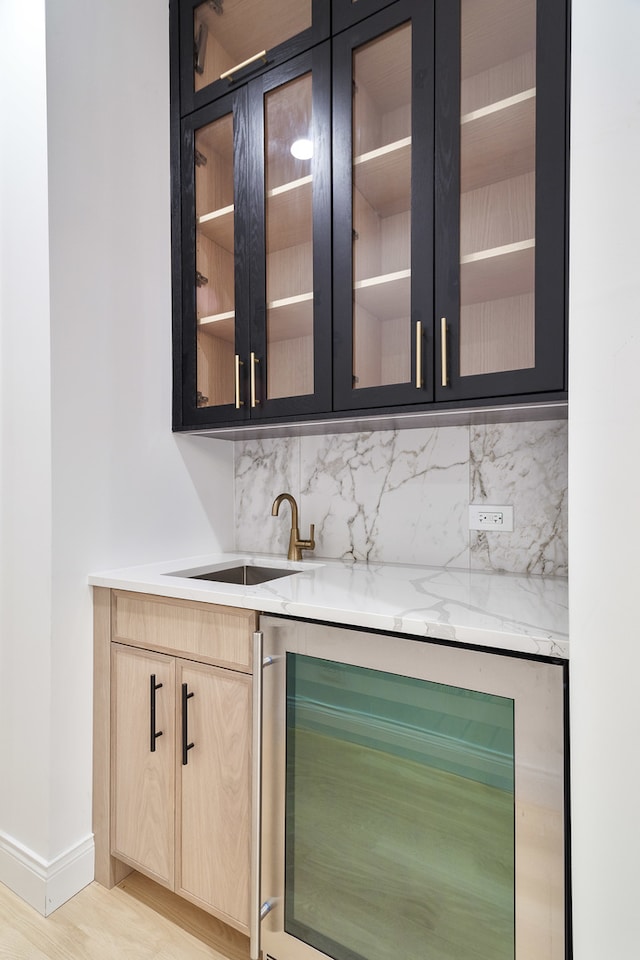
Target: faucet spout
[296, 545]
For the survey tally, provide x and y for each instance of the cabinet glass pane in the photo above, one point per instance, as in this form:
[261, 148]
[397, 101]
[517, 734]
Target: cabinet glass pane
[382, 210]
[226, 33]
[400, 816]
[215, 293]
[289, 238]
[497, 173]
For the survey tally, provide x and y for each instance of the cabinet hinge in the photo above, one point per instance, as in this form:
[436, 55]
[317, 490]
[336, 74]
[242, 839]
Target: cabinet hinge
[216, 5]
[199, 48]
[201, 280]
[200, 159]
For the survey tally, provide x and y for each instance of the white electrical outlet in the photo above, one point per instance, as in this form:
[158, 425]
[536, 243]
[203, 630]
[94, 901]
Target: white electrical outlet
[485, 516]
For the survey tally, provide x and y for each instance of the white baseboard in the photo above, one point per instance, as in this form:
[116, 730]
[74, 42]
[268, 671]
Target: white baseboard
[46, 885]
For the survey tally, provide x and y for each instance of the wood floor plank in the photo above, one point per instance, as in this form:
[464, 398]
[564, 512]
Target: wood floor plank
[136, 920]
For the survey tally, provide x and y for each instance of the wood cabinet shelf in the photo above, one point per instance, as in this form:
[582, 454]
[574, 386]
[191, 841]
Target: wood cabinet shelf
[498, 141]
[289, 214]
[383, 177]
[218, 227]
[221, 325]
[291, 317]
[498, 273]
[387, 296]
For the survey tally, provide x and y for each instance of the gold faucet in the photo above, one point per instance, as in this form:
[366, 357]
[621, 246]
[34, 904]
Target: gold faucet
[296, 545]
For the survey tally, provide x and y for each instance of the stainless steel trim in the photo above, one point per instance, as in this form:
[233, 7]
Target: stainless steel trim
[419, 377]
[256, 799]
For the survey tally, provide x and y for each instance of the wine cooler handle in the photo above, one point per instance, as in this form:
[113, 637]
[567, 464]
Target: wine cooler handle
[153, 733]
[186, 746]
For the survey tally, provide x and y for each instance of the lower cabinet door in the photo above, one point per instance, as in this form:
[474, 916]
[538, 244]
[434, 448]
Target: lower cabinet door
[214, 790]
[143, 761]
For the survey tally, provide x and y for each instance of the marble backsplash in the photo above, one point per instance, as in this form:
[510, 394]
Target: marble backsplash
[402, 496]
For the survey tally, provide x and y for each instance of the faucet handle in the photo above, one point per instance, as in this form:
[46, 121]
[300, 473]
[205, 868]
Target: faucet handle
[309, 544]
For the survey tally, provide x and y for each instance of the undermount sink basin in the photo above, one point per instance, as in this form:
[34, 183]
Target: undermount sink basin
[245, 574]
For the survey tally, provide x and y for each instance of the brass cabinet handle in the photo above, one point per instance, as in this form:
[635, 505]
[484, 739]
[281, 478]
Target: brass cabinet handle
[239, 402]
[443, 345]
[419, 377]
[228, 74]
[254, 361]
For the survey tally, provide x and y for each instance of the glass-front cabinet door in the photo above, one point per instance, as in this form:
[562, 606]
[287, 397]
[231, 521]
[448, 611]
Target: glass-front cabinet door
[215, 343]
[256, 233]
[226, 42]
[290, 235]
[383, 220]
[500, 215]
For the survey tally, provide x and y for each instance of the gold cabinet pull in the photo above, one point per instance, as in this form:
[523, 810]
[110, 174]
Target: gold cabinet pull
[419, 376]
[239, 402]
[228, 74]
[443, 347]
[254, 361]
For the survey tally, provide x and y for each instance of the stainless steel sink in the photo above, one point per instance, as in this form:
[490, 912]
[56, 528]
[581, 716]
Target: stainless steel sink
[245, 574]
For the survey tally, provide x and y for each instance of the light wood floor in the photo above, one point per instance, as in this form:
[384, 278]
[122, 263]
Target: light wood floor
[136, 920]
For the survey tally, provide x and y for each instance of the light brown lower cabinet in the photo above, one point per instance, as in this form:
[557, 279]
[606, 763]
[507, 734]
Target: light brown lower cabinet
[143, 810]
[174, 801]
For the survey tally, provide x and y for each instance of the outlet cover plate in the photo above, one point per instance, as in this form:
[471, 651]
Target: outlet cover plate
[487, 516]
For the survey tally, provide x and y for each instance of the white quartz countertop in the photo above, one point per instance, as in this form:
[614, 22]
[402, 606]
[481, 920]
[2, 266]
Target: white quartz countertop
[500, 611]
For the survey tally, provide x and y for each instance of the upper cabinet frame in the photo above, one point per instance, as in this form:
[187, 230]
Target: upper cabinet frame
[347, 12]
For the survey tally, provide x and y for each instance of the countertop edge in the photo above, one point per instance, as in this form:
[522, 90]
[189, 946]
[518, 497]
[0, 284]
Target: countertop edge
[516, 637]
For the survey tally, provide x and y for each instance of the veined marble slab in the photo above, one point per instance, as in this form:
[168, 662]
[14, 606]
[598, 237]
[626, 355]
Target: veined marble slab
[402, 496]
[523, 614]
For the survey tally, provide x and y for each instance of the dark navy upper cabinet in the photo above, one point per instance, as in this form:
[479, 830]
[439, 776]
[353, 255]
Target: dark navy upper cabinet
[369, 207]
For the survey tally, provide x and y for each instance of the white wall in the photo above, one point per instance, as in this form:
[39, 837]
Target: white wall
[604, 466]
[25, 438]
[91, 475]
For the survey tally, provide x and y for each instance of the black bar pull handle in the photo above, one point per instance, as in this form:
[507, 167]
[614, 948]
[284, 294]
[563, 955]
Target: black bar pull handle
[186, 746]
[153, 733]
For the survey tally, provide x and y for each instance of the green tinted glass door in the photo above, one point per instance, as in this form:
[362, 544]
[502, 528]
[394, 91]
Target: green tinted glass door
[399, 823]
